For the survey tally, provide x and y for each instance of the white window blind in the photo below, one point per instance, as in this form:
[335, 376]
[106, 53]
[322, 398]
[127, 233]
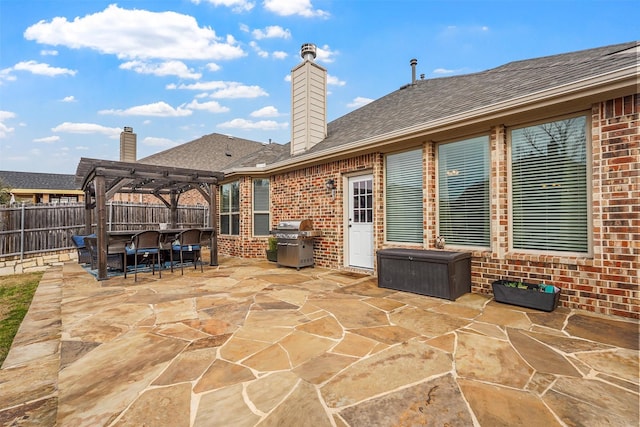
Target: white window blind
[549, 186]
[404, 221]
[463, 190]
[261, 207]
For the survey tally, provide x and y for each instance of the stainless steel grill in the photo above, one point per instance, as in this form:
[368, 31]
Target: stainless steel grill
[295, 242]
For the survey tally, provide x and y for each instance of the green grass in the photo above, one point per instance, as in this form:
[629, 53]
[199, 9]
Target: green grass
[16, 293]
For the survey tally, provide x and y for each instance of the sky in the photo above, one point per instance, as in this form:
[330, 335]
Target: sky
[74, 73]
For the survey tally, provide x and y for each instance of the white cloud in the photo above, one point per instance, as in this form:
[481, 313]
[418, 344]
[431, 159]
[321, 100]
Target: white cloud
[278, 54]
[87, 128]
[334, 81]
[325, 54]
[168, 68]
[214, 85]
[49, 52]
[244, 124]
[261, 53]
[271, 32]
[237, 6]
[445, 71]
[5, 74]
[69, 98]
[136, 34]
[4, 129]
[238, 90]
[212, 66]
[223, 89]
[7, 115]
[359, 101]
[158, 142]
[210, 106]
[48, 139]
[157, 109]
[269, 111]
[82, 148]
[42, 69]
[294, 7]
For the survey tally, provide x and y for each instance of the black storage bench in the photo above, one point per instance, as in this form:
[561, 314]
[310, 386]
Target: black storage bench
[434, 273]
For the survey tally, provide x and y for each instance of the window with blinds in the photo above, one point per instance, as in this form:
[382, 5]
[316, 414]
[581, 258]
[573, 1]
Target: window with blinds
[230, 208]
[404, 211]
[261, 207]
[463, 192]
[549, 186]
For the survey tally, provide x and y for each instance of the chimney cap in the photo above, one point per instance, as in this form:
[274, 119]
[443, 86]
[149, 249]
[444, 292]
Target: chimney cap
[308, 51]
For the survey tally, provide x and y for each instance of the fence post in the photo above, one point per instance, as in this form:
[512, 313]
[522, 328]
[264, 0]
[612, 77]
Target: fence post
[22, 233]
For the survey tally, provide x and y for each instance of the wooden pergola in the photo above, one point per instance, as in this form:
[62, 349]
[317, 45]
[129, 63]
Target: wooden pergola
[102, 179]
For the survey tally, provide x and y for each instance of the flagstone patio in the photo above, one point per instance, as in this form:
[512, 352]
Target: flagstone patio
[251, 344]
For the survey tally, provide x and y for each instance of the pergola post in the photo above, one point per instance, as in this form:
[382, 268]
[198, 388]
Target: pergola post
[88, 209]
[213, 220]
[173, 211]
[101, 220]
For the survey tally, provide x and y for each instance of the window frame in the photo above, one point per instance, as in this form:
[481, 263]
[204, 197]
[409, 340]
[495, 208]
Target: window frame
[258, 211]
[489, 197]
[588, 185]
[230, 213]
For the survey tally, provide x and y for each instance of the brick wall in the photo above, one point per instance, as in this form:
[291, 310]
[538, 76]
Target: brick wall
[606, 282]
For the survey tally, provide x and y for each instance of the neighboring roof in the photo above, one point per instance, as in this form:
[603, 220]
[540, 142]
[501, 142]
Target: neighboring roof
[39, 181]
[212, 152]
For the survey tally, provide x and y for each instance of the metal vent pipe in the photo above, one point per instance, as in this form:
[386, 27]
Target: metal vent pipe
[413, 63]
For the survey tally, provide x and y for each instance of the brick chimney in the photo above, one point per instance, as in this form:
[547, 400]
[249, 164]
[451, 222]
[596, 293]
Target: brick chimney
[128, 143]
[308, 102]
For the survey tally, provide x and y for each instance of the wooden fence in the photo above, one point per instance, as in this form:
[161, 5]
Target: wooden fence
[27, 230]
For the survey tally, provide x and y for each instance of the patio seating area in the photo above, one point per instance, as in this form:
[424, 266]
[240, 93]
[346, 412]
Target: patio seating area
[246, 343]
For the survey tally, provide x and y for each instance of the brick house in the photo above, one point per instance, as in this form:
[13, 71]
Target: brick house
[532, 167]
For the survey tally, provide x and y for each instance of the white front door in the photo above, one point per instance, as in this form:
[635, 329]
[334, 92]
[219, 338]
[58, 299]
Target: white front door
[360, 217]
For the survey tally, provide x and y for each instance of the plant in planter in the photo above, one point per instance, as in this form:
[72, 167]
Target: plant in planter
[541, 297]
[272, 250]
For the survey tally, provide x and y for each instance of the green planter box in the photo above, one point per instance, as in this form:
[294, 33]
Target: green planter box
[527, 295]
[272, 255]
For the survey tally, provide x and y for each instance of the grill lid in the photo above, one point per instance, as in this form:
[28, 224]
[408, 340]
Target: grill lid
[295, 225]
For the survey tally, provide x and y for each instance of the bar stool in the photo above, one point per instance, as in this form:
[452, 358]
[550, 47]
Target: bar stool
[145, 245]
[187, 242]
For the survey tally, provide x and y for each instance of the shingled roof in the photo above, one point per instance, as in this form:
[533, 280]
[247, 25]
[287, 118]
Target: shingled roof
[435, 99]
[412, 105]
[40, 181]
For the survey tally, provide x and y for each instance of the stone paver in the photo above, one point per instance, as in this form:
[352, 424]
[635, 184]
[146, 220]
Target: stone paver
[250, 344]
